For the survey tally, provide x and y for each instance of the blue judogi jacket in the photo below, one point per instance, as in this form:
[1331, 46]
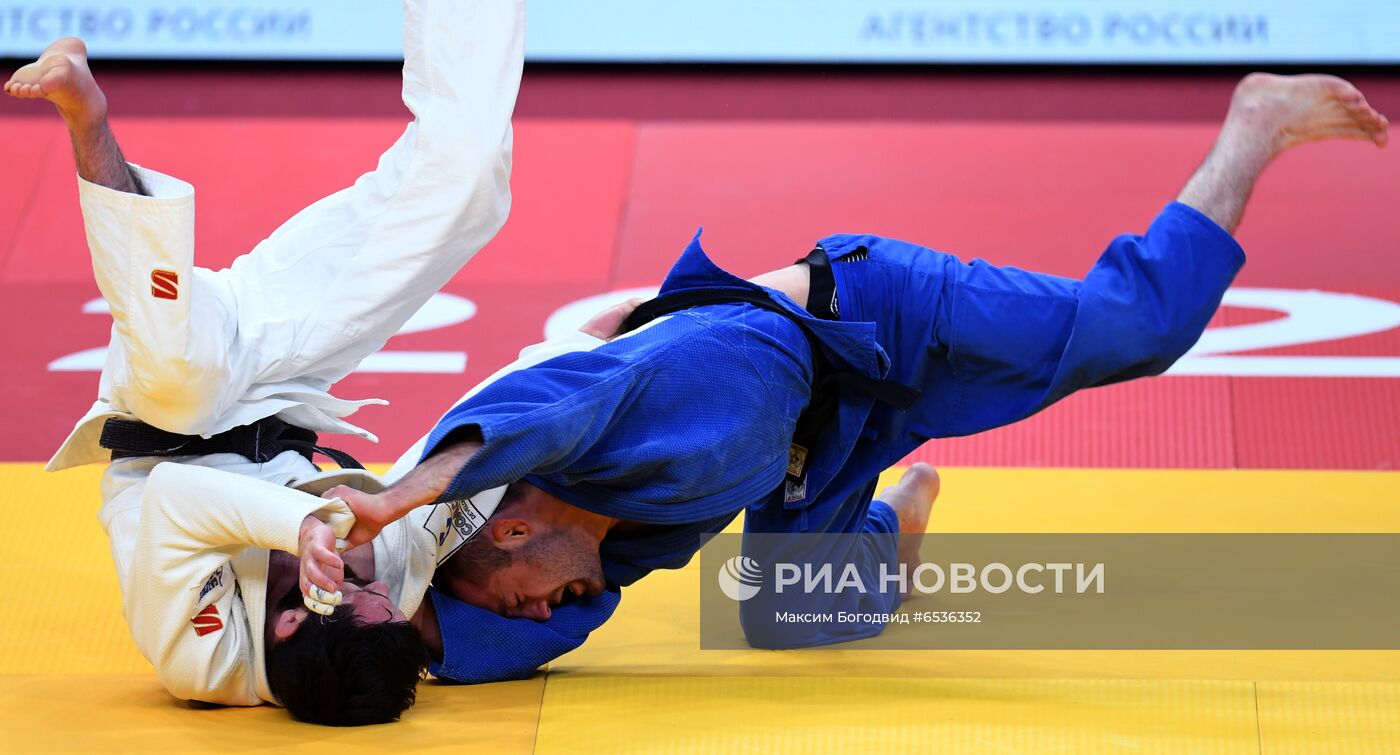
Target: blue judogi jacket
[688, 420]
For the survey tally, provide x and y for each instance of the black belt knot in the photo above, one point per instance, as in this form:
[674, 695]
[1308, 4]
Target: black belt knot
[258, 442]
[827, 383]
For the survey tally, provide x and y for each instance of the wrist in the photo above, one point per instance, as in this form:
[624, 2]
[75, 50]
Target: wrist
[308, 526]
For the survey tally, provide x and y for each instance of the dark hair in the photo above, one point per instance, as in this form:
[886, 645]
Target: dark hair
[338, 672]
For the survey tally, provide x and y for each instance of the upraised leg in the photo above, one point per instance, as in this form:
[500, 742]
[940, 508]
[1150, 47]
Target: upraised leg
[61, 76]
[334, 282]
[1268, 115]
[173, 356]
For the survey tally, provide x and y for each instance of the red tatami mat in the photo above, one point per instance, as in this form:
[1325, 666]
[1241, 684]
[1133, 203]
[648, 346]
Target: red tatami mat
[27, 147]
[607, 205]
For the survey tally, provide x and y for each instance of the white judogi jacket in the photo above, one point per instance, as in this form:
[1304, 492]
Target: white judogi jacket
[198, 352]
[191, 541]
[191, 536]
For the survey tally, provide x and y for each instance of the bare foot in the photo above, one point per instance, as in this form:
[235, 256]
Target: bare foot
[1284, 111]
[912, 500]
[61, 76]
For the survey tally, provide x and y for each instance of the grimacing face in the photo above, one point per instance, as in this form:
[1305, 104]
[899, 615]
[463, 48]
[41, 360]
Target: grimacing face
[537, 579]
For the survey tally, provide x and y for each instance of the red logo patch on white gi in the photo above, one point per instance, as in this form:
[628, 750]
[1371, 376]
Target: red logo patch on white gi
[165, 284]
[207, 621]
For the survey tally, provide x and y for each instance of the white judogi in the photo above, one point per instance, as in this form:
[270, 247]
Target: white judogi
[199, 352]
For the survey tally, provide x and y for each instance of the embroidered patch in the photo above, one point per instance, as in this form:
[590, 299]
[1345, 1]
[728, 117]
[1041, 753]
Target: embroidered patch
[165, 284]
[795, 491]
[452, 524]
[207, 621]
[215, 580]
[797, 460]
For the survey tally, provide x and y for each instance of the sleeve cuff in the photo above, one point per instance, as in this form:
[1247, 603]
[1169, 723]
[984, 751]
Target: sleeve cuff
[1218, 235]
[881, 519]
[160, 187]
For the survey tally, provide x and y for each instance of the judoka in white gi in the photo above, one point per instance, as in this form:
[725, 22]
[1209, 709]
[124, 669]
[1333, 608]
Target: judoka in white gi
[202, 546]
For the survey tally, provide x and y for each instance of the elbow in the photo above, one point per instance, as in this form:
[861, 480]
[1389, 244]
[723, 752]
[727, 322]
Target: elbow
[484, 183]
[186, 688]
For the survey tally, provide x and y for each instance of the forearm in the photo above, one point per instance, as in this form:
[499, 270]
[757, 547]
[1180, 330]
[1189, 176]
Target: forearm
[422, 485]
[429, 480]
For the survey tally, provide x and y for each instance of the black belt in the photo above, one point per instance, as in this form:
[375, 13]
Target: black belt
[821, 290]
[821, 410]
[259, 442]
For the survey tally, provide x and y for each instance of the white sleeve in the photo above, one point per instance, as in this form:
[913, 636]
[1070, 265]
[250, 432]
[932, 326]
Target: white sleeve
[172, 328]
[181, 603]
[529, 356]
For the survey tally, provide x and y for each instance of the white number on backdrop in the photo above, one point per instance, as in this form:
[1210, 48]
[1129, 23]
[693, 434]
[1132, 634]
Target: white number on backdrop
[1309, 317]
[441, 311]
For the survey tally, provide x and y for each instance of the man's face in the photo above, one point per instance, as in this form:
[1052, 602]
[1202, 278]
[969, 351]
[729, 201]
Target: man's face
[522, 590]
[532, 580]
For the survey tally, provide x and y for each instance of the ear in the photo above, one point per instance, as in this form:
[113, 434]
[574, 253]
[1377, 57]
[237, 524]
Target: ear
[511, 533]
[288, 622]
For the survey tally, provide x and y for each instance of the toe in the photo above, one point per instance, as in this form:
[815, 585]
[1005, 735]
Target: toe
[1372, 120]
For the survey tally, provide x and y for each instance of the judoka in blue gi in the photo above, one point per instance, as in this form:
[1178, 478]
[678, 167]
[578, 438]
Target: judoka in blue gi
[626, 457]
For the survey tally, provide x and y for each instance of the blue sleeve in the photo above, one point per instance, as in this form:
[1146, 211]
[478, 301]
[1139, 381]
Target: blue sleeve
[539, 420]
[1017, 342]
[873, 552]
[479, 646]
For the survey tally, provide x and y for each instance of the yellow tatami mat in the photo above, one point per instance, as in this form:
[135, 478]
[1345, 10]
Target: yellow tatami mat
[70, 679]
[786, 714]
[123, 713]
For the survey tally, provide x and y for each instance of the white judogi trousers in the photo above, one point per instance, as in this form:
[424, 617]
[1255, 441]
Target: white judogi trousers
[196, 351]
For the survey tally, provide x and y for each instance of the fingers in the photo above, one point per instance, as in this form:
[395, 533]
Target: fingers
[361, 505]
[322, 571]
[359, 535]
[320, 592]
[321, 602]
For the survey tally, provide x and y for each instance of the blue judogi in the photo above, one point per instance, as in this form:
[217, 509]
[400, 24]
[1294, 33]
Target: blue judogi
[688, 421]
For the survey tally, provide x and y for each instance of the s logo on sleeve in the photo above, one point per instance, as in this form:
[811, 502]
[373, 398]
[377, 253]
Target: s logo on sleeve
[207, 621]
[165, 284]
